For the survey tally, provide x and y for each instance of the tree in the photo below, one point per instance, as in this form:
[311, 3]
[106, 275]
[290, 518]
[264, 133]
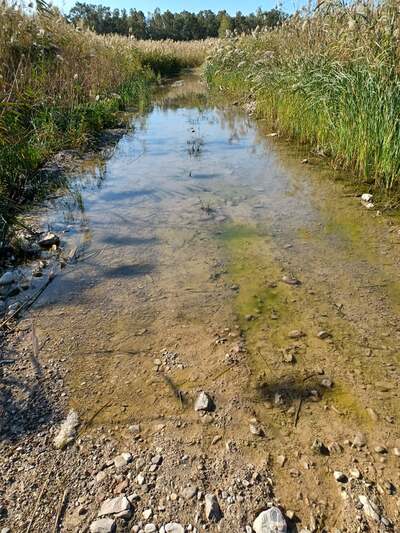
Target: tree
[224, 25]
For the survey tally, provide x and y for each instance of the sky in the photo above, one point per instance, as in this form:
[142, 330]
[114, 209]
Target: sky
[246, 6]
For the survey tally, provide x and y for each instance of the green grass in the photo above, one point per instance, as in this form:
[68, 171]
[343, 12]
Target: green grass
[322, 84]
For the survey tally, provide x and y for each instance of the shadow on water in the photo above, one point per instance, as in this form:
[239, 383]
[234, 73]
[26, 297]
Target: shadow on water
[128, 271]
[286, 391]
[121, 240]
[117, 196]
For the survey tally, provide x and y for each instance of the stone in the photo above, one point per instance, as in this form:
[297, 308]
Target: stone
[203, 402]
[147, 513]
[319, 447]
[173, 527]
[157, 459]
[369, 508]
[359, 440]
[355, 473]
[48, 240]
[323, 334]
[270, 520]
[340, 477]
[327, 383]
[122, 460]
[296, 334]
[114, 506]
[189, 492]
[290, 280]
[7, 278]
[281, 460]
[380, 449]
[104, 525]
[150, 528]
[256, 429]
[366, 197]
[212, 508]
[396, 452]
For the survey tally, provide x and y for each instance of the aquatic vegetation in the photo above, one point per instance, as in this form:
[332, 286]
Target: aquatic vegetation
[329, 77]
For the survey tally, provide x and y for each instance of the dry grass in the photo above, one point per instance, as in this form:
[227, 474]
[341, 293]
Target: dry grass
[329, 77]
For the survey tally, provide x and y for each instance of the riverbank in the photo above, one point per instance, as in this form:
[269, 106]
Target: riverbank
[327, 78]
[60, 85]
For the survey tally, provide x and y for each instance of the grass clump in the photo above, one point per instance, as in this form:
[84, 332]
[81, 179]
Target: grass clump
[328, 77]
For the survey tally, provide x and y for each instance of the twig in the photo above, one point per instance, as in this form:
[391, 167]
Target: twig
[38, 501]
[60, 509]
[296, 416]
[88, 422]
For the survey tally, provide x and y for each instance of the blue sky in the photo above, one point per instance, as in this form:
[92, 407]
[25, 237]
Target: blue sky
[194, 5]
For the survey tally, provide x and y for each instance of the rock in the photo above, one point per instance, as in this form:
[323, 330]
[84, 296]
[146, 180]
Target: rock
[369, 508]
[355, 473]
[114, 506]
[359, 440]
[289, 358]
[150, 528]
[340, 477]
[48, 240]
[319, 447]
[255, 428]
[157, 460]
[147, 513]
[173, 527]
[296, 334]
[203, 402]
[290, 281]
[380, 449]
[281, 460]
[323, 335]
[366, 197]
[270, 520]
[189, 492]
[396, 452]
[327, 383]
[212, 508]
[104, 525]
[7, 278]
[122, 460]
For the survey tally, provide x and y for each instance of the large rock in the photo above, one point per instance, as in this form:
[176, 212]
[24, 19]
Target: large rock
[114, 506]
[369, 508]
[213, 510]
[203, 402]
[104, 525]
[48, 240]
[271, 520]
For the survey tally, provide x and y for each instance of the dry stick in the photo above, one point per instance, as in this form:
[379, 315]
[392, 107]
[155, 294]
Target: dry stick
[296, 416]
[38, 500]
[26, 305]
[60, 509]
[88, 422]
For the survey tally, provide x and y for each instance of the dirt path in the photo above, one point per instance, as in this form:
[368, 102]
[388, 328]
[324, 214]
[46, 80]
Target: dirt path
[212, 260]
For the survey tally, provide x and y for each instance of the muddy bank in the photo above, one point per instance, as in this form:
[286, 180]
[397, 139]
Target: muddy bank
[214, 260]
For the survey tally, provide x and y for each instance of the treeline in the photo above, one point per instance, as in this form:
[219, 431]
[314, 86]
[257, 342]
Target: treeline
[183, 26]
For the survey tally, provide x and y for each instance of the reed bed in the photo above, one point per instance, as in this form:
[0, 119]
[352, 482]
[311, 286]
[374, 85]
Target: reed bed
[329, 77]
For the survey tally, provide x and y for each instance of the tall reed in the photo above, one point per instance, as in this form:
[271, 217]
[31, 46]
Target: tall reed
[329, 77]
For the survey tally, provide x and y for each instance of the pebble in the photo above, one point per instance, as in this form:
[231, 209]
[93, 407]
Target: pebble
[296, 334]
[327, 383]
[104, 525]
[281, 460]
[355, 473]
[122, 460]
[147, 513]
[173, 527]
[359, 440]
[396, 452]
[189, 492]
[150, 528]
[256, 429]
[203, 402]
[290, 281]
[319, 447]
[340, 477]
[323, 334]
[114, 506]
[380, 449]
[157, 459]
[212, 508]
